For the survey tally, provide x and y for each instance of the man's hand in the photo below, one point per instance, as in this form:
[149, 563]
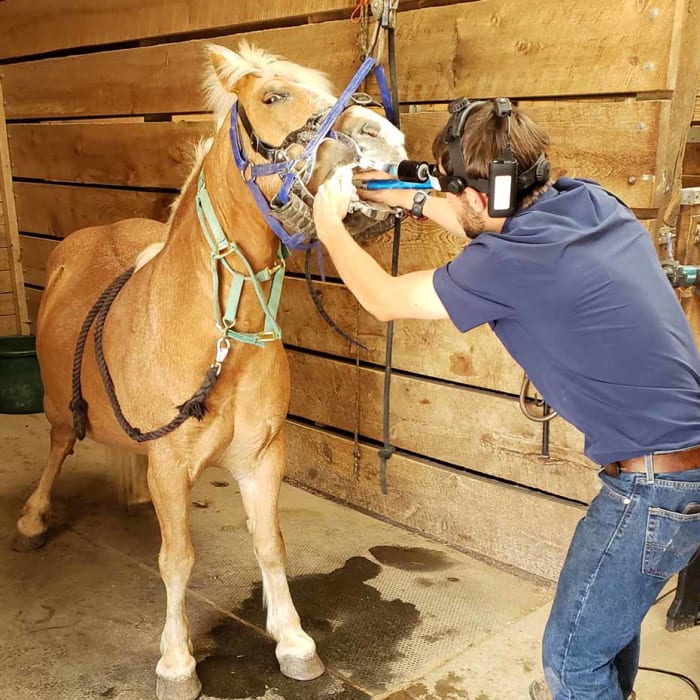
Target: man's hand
[332, 201]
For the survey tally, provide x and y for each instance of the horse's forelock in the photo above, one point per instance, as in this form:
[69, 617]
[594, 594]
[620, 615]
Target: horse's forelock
[252, 60]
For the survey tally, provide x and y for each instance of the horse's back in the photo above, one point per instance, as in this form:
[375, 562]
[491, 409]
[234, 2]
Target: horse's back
[100, 253]
[78, 271]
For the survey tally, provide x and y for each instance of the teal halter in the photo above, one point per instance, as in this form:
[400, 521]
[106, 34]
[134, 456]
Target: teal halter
[221, 247]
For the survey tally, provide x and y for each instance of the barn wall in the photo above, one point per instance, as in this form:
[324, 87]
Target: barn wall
[103, 104]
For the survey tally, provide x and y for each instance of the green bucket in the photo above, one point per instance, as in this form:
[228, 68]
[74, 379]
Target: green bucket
[21, 390]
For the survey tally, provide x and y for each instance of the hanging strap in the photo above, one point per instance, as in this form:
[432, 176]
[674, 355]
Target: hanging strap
[387, 450]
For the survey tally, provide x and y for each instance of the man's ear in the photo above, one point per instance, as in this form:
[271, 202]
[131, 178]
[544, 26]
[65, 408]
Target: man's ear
[476, 200]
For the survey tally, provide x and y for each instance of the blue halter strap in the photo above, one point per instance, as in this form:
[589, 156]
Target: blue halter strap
[289, 169]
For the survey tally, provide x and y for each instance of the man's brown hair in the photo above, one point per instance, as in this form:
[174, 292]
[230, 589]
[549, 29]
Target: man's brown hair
[484, 137]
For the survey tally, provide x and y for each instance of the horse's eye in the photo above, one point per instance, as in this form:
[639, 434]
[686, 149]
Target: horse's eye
[273, 97]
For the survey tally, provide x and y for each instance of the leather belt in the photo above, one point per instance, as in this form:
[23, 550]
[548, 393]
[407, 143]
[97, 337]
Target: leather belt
[666, 463]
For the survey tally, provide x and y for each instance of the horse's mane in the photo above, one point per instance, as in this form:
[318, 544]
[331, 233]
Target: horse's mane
[251, 60]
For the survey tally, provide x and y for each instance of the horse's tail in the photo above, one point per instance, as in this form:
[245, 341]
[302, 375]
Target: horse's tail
[132, 484]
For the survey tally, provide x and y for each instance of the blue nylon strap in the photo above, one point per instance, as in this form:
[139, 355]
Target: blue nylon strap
[296, 241]
[326, 125]
[220, 247]
[380, 75]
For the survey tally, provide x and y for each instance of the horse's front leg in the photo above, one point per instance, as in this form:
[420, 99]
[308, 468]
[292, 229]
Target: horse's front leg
[170, 482]
[259, 486]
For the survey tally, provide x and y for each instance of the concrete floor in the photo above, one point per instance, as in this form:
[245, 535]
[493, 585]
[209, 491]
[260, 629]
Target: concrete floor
[395, 616]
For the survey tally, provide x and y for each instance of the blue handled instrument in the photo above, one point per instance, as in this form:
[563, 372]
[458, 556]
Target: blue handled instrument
[394, 185]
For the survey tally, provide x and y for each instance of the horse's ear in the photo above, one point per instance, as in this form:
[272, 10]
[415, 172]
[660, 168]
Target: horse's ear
[228, 66]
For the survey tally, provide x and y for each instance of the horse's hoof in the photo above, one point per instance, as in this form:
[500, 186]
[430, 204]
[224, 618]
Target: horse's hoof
[184, 689]
[28, 543]
[302, 669]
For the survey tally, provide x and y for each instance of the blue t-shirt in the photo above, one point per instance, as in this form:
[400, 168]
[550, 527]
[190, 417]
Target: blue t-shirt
[574, 290]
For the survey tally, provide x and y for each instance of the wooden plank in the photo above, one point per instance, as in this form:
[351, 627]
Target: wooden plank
[50, 25]
[5, 281]
[7, 304]
[8, 215]
[614, 142]
[4, 259]
[434, 349]
[430, 348]
[495, 49]
[482, 432]
[58, 210]
[8, 325]
[511, 525]
[691, 159]
[160, 79]
[152, 154]
[686, 68]
[35, 254]
[423, 246]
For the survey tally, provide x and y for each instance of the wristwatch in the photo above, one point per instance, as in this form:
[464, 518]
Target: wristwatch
[419, 200]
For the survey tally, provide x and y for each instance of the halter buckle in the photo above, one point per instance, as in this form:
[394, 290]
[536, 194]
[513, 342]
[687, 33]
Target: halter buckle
[225, 251]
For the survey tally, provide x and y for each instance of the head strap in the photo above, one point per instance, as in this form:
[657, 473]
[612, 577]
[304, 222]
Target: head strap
[537, 174]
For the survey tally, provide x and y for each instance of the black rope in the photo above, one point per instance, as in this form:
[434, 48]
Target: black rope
[386, 452]
[318, 303]
[674, 674]
[194, 407]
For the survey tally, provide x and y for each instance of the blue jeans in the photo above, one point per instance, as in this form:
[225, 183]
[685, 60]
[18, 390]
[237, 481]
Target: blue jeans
[634, 537]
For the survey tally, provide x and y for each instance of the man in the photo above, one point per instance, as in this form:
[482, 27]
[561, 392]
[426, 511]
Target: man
[571, 285]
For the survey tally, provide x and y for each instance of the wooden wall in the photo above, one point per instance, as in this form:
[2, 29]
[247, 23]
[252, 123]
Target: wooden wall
[103, 104]
[13, 304]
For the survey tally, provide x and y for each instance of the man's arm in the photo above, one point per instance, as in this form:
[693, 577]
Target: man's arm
[385, 297]
[437, 209]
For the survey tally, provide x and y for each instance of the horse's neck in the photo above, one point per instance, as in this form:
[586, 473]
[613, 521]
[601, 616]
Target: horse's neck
[234, 207]
[185, 262]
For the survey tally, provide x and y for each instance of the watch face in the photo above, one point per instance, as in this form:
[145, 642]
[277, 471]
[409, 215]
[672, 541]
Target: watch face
[418, 202]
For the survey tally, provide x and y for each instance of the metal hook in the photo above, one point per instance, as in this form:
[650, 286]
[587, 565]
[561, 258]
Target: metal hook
[523, 404]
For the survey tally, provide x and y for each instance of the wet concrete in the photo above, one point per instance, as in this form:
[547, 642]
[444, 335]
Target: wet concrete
[412, 558]
[333, 607]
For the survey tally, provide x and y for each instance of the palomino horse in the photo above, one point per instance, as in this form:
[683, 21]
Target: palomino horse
[161, 337]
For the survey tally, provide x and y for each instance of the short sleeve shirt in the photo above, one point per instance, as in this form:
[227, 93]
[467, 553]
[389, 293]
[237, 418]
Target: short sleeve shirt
[573, 288]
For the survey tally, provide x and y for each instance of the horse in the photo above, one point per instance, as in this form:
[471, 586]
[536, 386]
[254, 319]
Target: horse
[165, 331]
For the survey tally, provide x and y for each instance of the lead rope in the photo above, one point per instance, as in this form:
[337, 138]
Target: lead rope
[194, 407]
[388, 21]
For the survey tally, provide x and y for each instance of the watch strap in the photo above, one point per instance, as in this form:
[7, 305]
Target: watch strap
[419, 200]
